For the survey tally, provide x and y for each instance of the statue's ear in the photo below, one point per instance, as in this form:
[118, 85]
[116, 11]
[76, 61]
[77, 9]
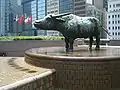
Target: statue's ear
[60, 19]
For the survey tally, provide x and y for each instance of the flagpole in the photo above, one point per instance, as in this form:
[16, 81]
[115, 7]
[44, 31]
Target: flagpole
[16, 24]
[17, 28]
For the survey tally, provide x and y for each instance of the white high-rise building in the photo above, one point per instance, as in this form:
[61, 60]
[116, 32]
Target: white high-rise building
[113, 19]
[52, 8]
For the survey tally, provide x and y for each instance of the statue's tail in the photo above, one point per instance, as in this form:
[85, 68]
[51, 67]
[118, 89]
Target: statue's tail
[106, 31]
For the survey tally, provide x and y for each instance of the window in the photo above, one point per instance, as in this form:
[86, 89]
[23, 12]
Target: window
[118, 15]
[110, 6]
[113, 5]
[113, 33]
[118, 21]
[112, 16]
[108, 16]
[112, 22]
[109, 28]
[118, 27]
[113, 28]
[116, 33]
[109, 22]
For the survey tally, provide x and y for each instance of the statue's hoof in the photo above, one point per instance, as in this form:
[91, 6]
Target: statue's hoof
[97, 48]
[70, 50]
[67, 50]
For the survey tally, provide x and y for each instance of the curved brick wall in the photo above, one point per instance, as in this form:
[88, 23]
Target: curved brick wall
[42, 81]
[80, 73]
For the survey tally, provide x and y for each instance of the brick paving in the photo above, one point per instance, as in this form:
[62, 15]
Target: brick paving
[13, 69]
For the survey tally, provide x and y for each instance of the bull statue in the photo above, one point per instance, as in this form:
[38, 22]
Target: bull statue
[72, 27]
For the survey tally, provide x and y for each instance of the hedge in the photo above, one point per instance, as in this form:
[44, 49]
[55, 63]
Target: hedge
[31, 38]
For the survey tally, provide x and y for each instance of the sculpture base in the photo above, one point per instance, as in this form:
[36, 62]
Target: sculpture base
[81, 69]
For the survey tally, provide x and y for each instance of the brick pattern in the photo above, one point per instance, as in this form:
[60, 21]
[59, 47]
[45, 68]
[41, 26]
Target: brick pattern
[82, 75]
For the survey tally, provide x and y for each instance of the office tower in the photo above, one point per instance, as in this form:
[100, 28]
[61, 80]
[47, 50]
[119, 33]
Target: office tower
[80, 7]
[100, 4]
[8, 10]
[4, 17]
[66, 6]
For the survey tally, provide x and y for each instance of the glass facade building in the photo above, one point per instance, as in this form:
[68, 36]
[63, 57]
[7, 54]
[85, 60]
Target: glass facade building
[4, 17]
[29, 9]
[41, 10]
[36, 9]
[66, 6]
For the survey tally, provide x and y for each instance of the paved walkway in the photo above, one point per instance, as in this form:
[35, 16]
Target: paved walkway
[13, 69]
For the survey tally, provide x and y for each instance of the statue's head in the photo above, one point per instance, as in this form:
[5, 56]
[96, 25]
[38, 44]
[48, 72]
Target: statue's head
[49, 22]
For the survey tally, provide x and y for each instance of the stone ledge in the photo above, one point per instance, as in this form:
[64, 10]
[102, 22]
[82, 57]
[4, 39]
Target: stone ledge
[23, 83]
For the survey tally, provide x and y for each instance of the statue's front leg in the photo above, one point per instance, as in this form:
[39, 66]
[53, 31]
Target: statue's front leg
[71, 45]
[67, 44]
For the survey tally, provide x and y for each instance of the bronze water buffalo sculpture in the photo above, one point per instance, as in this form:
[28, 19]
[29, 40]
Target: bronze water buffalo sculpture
[72, 27]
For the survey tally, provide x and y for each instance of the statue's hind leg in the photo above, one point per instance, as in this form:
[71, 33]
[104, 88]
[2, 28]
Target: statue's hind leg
[90, 44]
[71, 45]
[97, 42]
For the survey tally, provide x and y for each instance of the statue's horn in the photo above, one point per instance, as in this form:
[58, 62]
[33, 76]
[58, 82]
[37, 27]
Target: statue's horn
[60, 15]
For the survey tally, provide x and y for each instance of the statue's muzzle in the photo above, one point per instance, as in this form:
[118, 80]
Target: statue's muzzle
[37, 23]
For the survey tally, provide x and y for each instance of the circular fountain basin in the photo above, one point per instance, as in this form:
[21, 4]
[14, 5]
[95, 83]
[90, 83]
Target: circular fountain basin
[81, 69]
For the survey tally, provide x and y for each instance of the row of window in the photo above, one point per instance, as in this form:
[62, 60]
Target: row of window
[79, 8]
[80, 3]
[52, 11]
[114, 28]
[78, 0]
[114, 22]
[115, 5]
[52, 4]
[114, 16]
[115, 33]
[116, 38]
[115, 10]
